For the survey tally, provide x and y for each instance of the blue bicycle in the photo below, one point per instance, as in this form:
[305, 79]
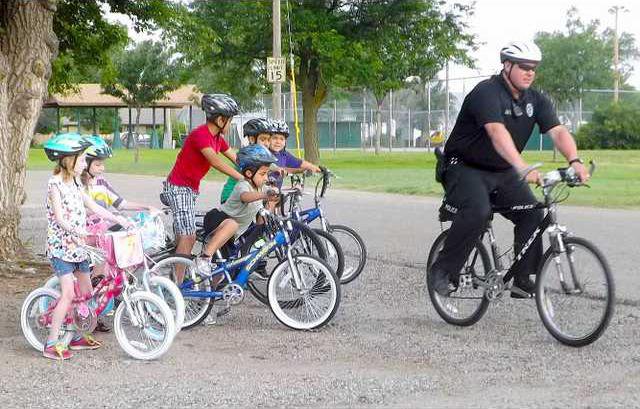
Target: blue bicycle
[354, 251]
[303, 291]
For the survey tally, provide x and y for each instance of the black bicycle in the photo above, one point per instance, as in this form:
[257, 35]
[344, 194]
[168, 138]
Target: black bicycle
[574, 286]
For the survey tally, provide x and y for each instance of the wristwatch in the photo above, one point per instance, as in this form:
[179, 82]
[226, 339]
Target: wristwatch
[572, 161]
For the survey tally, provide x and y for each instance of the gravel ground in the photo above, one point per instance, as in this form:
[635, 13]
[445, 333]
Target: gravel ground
[385, 347]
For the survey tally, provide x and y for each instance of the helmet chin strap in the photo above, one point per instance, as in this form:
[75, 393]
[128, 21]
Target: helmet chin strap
[520, 90]
[89, 162]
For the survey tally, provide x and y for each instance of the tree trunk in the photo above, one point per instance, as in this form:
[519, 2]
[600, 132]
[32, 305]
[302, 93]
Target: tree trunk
[379, 124]
[136, 140]
[27, 47]
[314, 92]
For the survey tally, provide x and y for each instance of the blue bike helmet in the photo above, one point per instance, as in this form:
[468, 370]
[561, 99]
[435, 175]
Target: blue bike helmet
[66, 144]
[281, 127]
[253, 156]
[98, 149]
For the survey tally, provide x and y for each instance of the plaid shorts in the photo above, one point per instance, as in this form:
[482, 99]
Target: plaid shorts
[182, 201]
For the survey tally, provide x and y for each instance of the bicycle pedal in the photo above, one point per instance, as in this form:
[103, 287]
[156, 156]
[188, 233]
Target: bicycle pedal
[519, 293]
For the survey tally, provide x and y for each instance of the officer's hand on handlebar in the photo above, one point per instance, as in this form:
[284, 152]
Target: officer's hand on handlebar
[581, 171]
[530, 174]
[534, 177]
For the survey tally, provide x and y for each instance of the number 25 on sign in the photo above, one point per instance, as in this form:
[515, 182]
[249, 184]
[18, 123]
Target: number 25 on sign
[276, 69]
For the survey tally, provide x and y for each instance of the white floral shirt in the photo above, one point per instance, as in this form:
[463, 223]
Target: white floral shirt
[61, 243]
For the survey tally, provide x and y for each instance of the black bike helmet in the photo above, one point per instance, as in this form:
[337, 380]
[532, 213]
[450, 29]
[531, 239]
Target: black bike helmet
[252, 157]
[281, 127]
[215, 105]
[256, 126]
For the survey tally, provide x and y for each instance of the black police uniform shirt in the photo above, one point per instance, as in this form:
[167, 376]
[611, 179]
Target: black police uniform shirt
[491, 101]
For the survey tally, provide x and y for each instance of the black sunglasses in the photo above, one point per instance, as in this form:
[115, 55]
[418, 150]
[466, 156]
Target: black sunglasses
[527, 68]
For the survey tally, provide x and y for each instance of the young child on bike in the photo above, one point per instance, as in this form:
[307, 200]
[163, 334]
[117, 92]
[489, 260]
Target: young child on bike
[100, 190]
[199, 153]
[286, 161]
[242, 207]
[256, 130]
[66, 231]
[95, 183]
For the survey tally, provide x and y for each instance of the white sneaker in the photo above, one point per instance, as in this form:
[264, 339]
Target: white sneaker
[203, 266]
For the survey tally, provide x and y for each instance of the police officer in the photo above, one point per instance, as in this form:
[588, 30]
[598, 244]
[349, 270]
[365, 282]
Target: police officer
[486, 166]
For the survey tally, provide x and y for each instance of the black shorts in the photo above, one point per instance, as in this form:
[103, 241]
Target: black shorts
[213, 219]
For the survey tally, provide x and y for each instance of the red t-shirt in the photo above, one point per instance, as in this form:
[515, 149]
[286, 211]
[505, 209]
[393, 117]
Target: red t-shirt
[191, 165]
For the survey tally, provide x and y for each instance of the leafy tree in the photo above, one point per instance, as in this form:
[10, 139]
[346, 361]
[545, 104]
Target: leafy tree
[32, 35]
[333, 42]
[142, 76]
[580, 58]
[403, 39]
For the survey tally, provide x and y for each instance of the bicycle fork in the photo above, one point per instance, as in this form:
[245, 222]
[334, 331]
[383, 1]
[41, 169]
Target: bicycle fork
[297, 278]
[557, 235]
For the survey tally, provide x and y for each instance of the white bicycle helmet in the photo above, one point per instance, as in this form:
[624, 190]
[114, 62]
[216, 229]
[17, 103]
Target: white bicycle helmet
[521, 51]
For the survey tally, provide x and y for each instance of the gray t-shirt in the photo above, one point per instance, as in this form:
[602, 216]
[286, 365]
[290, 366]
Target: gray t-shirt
[243, 213]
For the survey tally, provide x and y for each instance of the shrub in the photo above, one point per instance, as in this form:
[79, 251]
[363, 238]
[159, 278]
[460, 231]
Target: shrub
[614, 126]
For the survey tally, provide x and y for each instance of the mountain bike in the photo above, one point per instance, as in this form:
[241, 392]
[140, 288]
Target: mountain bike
[354, 252]
[575, 291]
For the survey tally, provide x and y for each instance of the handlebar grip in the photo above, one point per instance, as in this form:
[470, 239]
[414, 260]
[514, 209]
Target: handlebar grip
[524, 172]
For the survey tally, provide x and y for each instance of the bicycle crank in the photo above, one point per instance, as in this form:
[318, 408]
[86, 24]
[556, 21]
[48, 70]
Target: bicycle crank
[494, 286]
[233, 294]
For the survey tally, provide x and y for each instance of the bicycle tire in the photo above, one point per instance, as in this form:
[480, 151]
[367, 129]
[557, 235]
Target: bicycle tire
[335, 255]
[258, 287]
[357, 247]
[445, 306]
[285, 301]
[163, 330]
[196, 309]
[549, 314]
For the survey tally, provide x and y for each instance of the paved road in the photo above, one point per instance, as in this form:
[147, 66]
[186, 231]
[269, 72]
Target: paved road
[386, 346]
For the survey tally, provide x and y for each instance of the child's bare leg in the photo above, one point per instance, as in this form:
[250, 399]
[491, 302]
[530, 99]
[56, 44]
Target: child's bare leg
[63, 306]
[84, 282]
[221, 235]
[184, 246]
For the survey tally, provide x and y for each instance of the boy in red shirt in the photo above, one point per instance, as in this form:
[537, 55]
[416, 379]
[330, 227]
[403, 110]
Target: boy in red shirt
[199, 153]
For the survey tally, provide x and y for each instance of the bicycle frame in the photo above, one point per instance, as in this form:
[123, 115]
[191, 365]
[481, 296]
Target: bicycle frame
[245, 265]
[549, 220]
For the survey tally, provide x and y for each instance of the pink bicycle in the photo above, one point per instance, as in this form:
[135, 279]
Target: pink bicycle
[143, 323]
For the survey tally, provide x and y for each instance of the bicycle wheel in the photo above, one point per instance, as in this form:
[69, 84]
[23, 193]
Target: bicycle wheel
[575, 293]
[335, 255]
[354, 250]
[257, 285]
[311, 306]
[196, 309]
[170, 294]
[140, 333]
[303, 241]
[37, 304]
[468, 304]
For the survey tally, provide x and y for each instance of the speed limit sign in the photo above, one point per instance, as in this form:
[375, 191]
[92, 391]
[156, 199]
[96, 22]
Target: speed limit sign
[276, 69]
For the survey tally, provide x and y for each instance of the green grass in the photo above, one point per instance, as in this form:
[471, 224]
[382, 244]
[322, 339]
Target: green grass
[616, 183]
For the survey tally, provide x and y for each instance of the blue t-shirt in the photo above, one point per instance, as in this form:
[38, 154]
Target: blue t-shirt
[285, 160]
